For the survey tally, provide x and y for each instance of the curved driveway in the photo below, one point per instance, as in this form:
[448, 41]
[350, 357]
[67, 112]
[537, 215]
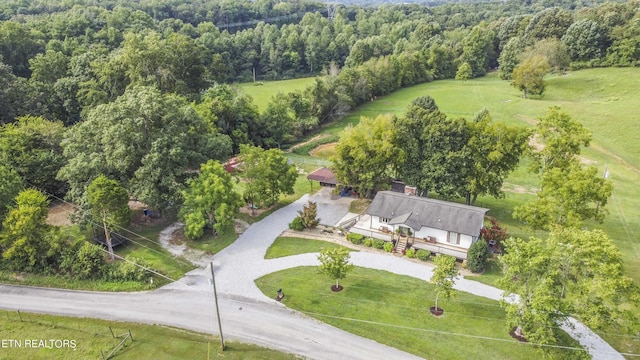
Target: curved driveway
[246, 314]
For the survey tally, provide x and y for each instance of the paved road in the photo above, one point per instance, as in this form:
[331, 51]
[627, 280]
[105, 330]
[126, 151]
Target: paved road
[248, 315]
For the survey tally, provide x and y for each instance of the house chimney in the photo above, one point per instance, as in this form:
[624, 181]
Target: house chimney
[410, 190]
[397, 186]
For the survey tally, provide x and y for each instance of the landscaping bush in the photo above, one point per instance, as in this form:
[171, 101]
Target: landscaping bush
[388, 247]
[296, 224]
[368, 242]
[355, 238]
[411, 253]
[131, 270]
[477, 256]
[89, 262]
[378, 244]
[423, 255]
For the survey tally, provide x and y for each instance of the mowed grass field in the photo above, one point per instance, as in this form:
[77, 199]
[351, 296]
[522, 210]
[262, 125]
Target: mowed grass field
[262, 94]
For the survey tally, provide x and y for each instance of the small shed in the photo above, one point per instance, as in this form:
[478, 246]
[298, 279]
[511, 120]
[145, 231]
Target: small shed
[324, 176]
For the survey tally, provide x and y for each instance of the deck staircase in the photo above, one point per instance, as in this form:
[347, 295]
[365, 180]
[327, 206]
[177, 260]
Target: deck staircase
[402, 244]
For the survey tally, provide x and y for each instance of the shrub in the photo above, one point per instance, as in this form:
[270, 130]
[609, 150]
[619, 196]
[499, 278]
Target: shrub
[388, 247]
[309, 215]
[378, 243]
[296, 224]
[89, 262]
[494, 232]
[477, 256]
[423, 255]
[411, 253]
[355, 238]
[368, 242]
[130, 270]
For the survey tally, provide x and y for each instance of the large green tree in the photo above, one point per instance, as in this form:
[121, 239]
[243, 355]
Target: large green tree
[14, 95]
[109, 204]
[495, 151]
[568, 197]
[572, 273]
[478, 49]
[549, 23]
[434, 149]
[528, 76]
[149, 142]
[209, 201]
[510, 57]
[25, 241]
[366, 154]
[585, 40]
[230, 110]
[31, 146]
[266, 173]
[561, 139]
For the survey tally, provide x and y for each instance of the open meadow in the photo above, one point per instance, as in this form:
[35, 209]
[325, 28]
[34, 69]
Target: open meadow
[263, 91]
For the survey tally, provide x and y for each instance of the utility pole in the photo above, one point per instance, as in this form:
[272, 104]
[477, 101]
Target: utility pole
[331, 9]
[215, 296]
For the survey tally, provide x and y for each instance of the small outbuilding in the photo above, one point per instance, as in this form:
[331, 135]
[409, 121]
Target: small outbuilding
[324, 176]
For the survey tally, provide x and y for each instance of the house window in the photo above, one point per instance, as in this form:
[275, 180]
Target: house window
[454, 238]
[384, 220]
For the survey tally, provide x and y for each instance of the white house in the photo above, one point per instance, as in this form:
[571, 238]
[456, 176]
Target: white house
[434, 225]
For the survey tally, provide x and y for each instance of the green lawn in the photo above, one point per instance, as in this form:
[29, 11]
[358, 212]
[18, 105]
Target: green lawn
[262, 94]
[393, 310]
[213, 244]
[91, 336]
[287, 246]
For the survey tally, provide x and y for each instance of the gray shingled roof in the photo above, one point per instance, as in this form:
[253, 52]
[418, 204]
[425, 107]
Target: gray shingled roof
[416, 212]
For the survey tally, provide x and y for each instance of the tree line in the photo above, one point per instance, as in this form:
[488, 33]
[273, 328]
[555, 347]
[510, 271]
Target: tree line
[59, 60]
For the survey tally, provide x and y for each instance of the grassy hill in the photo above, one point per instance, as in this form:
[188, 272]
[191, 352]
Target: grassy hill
[602, 99]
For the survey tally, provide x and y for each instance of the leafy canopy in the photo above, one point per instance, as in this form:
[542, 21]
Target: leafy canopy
[365, 154]
[209, 201]
[572, 273]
